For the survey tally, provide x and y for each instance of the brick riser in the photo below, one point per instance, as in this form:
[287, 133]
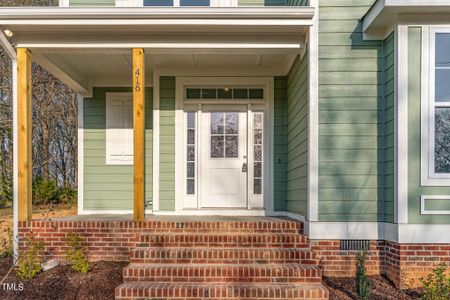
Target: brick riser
[292, 273]
[168, 291]
[238, 240]
[158, 255]
[214, 260]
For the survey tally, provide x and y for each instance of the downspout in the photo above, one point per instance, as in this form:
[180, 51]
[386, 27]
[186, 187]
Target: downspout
[9, 49]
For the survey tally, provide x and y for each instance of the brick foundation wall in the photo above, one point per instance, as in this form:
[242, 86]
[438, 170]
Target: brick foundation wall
[403, 264]
[336, 262]
[105, 240]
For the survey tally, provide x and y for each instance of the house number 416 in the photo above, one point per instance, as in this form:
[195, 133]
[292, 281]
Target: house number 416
[137, 86]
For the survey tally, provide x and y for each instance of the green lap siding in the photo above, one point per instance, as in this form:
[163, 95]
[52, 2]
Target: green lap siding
[280, 144]
[297, 115]
[110, 187]
[92, 2]
[167, 144]
[351, 116]
[297, 2]
[388, 195]
[262, 2]
[415, 190]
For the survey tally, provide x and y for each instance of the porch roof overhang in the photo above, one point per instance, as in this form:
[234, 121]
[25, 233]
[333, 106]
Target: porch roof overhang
[385, 14]
[88, 47]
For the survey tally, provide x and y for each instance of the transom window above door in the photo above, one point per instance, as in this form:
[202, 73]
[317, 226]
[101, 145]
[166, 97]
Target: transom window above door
[224, 93]
[177, 2]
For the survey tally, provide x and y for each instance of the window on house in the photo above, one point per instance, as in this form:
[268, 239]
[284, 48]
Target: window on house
[190, 153]
[177, 2]
[158, 2]
[440, 103]
[119, 129]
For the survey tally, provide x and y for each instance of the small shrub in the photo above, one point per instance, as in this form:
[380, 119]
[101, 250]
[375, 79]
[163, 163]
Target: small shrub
[29, 264]
[76, 255]
[6, 244]
[362, 281]
[44, 191]
[436, 286]
[67, 195]
[6, 194]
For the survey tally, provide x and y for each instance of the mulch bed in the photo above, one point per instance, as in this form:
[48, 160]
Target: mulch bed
[344, 288]
[63, 283]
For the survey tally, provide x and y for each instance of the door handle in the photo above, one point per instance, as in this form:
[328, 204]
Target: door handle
[244, 167]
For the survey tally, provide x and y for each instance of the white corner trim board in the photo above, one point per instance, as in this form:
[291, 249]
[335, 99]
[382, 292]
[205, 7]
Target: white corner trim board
[313, 126]
[401, 125]
[80, 153]
[155, 197]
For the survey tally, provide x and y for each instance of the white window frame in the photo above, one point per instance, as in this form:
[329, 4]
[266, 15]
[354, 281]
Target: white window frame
[110, 159]
[428, 105]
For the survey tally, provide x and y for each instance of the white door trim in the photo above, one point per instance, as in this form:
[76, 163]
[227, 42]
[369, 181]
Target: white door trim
[268, 83]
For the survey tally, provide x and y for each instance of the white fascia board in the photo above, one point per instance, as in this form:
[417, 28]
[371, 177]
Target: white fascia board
[385, 13]
[214, 13]
[9, 49]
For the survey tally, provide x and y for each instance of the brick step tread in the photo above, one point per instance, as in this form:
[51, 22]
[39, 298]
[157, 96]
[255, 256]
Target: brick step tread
[187, 291]
[283, 240]
[286, 273]
[222, 255]
[265, 225]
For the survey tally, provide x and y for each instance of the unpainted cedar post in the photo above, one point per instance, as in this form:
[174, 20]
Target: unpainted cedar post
[139, 133]
[24, 134]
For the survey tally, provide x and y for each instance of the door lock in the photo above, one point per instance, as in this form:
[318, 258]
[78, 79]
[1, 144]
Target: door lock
[244, 168]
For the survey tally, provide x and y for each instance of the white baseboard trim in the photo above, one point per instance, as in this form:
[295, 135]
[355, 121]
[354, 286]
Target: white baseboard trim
[241, 212]
[110, 212]
[400, 233]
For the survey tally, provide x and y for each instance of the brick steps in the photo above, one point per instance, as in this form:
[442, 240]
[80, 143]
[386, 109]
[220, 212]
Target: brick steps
[222, 255]
[264, 258]
[172, 291]
[261, 273]
[240, 240]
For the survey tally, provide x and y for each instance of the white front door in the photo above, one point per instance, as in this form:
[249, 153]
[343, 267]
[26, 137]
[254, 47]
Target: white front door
[224, 159]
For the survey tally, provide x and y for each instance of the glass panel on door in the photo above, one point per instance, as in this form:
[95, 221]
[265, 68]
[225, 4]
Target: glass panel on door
[224, 135]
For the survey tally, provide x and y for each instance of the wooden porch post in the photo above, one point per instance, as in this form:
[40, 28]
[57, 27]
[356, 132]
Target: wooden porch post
[24, 133]
[139, 133]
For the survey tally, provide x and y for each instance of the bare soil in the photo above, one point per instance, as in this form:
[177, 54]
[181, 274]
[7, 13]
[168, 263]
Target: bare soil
[39, 212]
[63, 283]
[344, 288]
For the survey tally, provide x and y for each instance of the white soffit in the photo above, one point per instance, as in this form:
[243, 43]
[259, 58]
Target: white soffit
[384, 14]
[83, 69]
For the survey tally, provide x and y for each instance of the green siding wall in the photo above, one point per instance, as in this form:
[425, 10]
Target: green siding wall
[280, 155]
[351, 109]
[274, 2]
[110, 187]
[262, 2]
[414, 186]
[167, 144]
[389, 179]
[297, 2]
[297, 137]
[92, 2]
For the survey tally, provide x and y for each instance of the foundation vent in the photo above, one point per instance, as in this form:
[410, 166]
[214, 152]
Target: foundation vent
[354, 245]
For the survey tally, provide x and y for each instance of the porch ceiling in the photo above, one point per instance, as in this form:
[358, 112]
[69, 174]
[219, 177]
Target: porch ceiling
[92, 47]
